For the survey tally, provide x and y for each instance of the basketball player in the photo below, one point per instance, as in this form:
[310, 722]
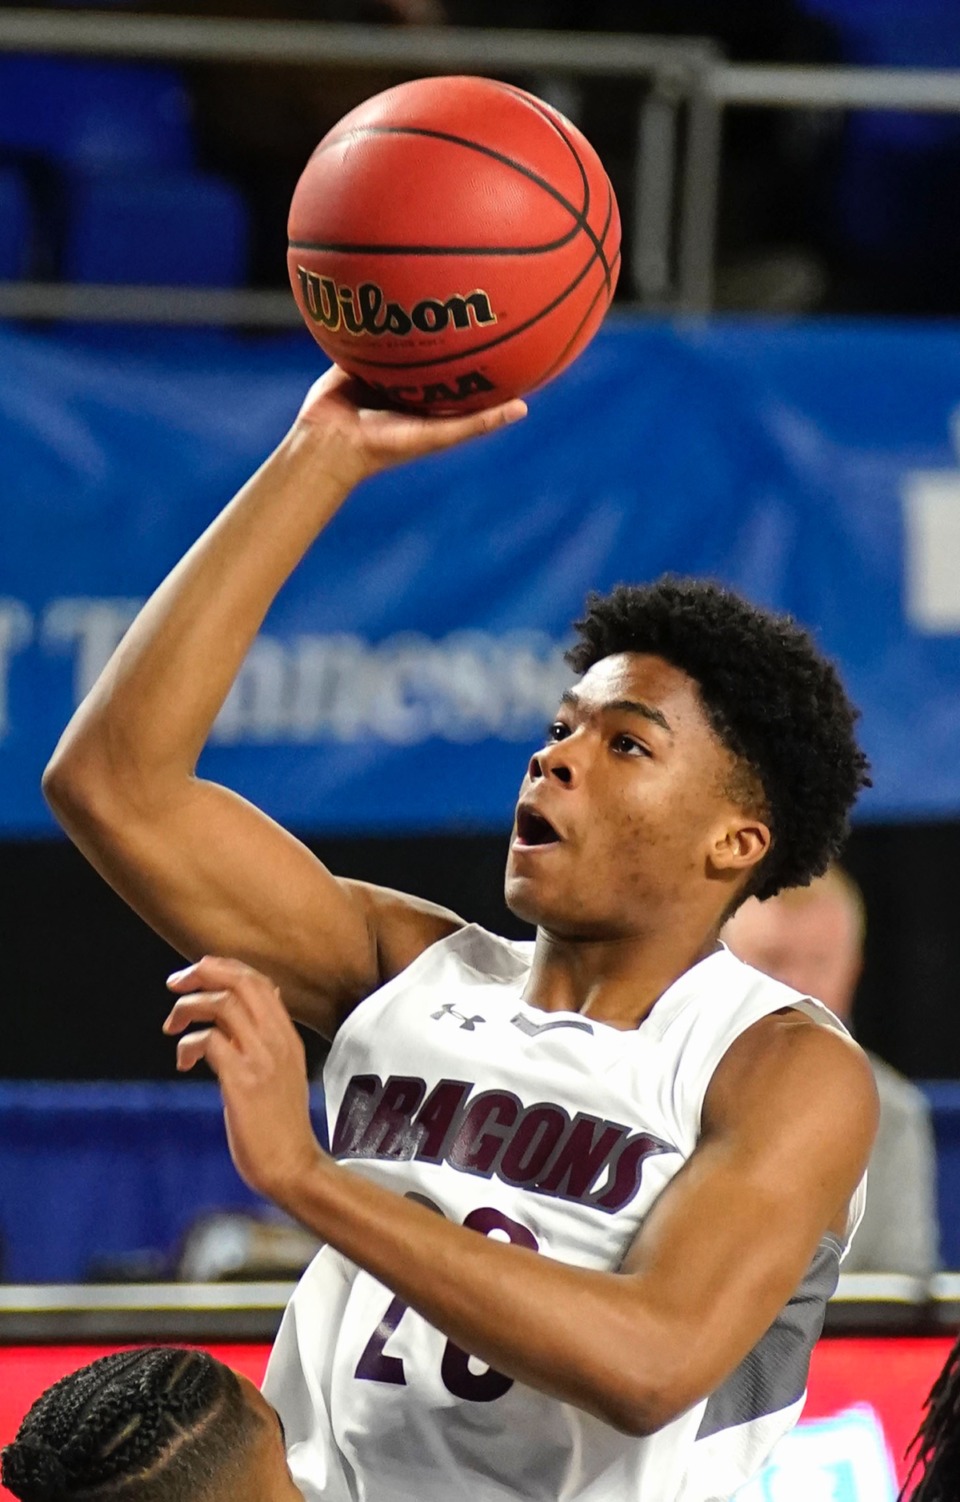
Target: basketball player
[155, 1424]
[587, 1198]
[936, 1446]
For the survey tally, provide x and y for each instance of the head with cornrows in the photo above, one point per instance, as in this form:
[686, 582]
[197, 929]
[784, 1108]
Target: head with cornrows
[935, 1472]
[155, 1424]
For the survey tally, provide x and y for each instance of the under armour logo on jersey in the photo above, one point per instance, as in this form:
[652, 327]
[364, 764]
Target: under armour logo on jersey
[534, 1029]
[467, 1024]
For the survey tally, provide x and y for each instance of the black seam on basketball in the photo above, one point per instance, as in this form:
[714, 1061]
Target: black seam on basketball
[443, 135]
[538, 107]
[435, 250]
[601, 253]
[608, 282]
[522, 328]
[476, 349]
[558, 362]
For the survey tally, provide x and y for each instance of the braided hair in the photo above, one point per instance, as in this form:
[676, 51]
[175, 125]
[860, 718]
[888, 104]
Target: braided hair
[771, 698]
[936, 1445]
[155, 1424]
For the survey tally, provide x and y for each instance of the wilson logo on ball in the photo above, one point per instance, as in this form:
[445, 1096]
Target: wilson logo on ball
[365, 309]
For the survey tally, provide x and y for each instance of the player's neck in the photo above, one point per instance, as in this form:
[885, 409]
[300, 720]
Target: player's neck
[616, 981]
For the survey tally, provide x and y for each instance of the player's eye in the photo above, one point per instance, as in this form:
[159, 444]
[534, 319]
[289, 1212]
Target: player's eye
[629, 746]
[557, 731]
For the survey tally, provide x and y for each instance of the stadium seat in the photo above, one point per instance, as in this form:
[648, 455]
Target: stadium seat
[169, 229]
[92, 114]
[894, 198]
[16, 225]
[859, 19]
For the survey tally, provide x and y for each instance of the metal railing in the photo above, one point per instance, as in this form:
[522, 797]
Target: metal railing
[718, 87]
[865, 1303]
[665, 72]
[684, 88]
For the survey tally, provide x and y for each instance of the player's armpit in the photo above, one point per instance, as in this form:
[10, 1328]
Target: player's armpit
[212, 874]
[788, 1123]
[403, 926]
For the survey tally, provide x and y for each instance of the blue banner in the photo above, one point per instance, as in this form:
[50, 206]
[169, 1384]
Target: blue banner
[408, 668]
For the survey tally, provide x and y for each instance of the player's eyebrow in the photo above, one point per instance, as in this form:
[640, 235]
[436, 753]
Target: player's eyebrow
[624, 706]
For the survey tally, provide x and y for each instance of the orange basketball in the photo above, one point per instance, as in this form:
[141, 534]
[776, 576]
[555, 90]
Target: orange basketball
[453, 242]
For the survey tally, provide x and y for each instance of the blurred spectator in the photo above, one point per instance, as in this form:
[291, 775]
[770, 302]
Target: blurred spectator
[812, 938]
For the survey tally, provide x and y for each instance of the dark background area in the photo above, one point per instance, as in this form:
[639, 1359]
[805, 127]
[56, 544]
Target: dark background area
[83, 991]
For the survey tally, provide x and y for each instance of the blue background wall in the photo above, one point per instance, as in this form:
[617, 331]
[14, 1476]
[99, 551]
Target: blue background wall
[410, 664]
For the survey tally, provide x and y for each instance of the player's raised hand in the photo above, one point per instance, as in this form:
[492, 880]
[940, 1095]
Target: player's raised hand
[364, 437]
[255, 1051]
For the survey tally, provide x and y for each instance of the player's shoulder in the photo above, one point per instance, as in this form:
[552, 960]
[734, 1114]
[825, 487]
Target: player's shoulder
[790, 1053]
[779, 1010]
[740, 980]
[712, 1003]
[786, 1036]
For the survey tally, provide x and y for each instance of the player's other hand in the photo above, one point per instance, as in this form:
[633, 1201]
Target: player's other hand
[361, 438]
[254, 1049]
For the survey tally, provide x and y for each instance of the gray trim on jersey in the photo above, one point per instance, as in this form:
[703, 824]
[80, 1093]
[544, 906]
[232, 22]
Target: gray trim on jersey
[774, 1374]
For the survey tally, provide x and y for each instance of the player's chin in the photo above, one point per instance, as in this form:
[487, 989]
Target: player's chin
[550, 913]
[532, 896]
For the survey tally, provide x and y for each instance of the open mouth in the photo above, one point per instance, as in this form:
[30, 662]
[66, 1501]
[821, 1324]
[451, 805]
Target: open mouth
[534, 829]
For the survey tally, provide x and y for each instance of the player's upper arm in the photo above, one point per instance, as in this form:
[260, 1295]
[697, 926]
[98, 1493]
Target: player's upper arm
[788, 1123]
[212, 874]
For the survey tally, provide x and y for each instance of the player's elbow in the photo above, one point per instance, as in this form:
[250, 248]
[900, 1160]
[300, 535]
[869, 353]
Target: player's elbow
[81, 787]
[639, 1422]
[67, 784]
[72, 776]
[644, 1411]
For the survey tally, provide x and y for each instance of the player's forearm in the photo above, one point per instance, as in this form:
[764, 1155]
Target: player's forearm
[153, 706]
[581, 1336]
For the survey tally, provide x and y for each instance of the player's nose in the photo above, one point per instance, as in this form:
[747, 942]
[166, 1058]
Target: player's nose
[558, 762]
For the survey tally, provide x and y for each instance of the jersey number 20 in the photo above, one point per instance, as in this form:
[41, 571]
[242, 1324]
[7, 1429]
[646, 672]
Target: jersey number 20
[478, 1387]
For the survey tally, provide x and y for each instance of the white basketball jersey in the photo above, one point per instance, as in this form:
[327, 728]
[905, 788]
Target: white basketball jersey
[556, 1132]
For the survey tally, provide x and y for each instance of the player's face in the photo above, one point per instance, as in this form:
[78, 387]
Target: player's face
[623, 818]
[266, 1476]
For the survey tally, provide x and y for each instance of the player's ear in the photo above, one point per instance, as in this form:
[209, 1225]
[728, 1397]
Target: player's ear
[739, 844]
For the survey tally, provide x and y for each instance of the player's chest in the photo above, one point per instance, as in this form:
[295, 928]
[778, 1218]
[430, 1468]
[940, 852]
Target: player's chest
[563, 1119]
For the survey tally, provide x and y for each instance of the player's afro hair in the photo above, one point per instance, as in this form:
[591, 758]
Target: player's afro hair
[150, 1425]
[771, 698]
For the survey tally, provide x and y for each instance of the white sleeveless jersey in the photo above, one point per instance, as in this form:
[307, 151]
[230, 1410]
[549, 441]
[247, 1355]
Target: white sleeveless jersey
[556, 1132]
